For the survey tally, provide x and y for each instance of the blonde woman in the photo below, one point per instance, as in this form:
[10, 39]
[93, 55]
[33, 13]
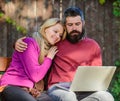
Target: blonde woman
[30, 66]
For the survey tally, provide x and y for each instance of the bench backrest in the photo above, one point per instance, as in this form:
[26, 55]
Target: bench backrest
[4, 63]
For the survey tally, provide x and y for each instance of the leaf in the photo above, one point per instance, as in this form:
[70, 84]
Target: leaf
[117, 63]
[1, 14]
[102, 2]
[8, 20]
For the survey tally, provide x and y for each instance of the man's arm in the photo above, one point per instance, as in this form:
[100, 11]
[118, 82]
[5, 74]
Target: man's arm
[97, 58]
[20, 45]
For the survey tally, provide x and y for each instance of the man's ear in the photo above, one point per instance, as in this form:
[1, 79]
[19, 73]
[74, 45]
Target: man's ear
[83, 23]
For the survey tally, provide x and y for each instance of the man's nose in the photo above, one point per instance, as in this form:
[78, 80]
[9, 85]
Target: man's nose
[74, 27]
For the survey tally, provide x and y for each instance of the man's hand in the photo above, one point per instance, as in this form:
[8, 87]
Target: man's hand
[20, 45]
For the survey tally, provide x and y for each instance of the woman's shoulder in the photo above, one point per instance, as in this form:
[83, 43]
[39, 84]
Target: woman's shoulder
[29, 40]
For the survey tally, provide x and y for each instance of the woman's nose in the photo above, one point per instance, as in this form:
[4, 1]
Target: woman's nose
[58, 35]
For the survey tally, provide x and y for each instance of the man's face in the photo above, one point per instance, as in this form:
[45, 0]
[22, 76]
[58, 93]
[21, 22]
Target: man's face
[74, 26]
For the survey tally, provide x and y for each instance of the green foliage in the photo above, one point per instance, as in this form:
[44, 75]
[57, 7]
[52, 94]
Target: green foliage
[101, 2]
[1, 14]
[117, 63]
[115, 87]
[116, 8]
[10, 21]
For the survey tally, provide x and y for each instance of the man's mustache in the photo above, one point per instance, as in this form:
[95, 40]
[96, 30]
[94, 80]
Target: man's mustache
[75, 31]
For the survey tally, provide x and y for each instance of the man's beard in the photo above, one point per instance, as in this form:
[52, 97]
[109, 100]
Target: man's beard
[75, 38]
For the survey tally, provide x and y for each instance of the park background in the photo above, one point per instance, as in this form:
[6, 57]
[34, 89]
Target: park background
[102, 22]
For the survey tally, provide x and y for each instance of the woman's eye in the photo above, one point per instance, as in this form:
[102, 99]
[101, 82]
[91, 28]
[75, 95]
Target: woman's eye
[60, 36]
[55, 31]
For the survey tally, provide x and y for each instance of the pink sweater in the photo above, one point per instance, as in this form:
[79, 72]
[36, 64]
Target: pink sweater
[84, 53]
[24, 69]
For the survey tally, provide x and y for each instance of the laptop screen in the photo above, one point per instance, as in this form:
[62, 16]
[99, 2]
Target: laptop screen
[92, 78]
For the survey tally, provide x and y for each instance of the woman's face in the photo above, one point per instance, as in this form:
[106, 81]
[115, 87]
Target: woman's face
[54, 33]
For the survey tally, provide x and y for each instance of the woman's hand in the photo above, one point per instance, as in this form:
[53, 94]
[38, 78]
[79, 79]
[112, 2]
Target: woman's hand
[20, 45]
[52, 51]
[35, 93]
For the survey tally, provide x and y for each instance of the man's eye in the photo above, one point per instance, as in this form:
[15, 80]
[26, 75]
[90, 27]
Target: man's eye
[77, 24]
[69, 24]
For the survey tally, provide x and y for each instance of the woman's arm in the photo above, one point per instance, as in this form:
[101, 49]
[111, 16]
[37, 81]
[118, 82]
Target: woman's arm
[29, 59]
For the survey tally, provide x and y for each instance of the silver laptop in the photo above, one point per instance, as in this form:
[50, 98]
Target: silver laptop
[92, 78]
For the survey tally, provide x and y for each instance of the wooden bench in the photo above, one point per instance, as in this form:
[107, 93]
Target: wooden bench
[4, 63]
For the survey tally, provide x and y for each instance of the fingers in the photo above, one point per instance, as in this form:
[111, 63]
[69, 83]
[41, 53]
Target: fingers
[21, 42]
[52, 51]
[20, 49]
[34, 92]
[20, 45]
[23, 37]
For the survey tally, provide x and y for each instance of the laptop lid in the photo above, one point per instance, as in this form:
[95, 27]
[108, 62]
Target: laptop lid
[92, 78]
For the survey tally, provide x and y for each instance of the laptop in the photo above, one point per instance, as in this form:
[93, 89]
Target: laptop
[92, 78]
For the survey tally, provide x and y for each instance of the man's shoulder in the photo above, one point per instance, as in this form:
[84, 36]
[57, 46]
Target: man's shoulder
[91, 42]
[62, 42]
[87, 39]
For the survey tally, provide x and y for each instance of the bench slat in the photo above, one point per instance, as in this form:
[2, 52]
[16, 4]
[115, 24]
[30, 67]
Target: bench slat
[4, 63]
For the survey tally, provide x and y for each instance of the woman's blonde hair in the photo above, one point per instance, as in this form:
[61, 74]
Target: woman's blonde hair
[41, 36]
